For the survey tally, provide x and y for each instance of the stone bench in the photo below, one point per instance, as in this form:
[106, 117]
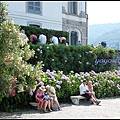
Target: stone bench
[76, 99]
[35, 104]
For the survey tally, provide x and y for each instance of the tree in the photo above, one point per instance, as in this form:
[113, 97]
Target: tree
[16, 75]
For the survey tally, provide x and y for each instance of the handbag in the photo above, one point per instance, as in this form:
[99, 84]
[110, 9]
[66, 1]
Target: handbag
[46, 96]
[41, 104]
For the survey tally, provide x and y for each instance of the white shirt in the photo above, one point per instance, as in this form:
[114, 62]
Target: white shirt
[52, 89]
[42, 39]
[83, 88]
[55, 40]
[24, 36]
[78, 43]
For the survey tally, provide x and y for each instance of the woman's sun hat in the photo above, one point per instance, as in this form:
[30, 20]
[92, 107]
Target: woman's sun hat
[48, 86]
[42, 88]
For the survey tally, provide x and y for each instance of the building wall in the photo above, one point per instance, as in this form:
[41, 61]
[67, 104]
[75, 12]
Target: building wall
[49, 19]
[54, 15]
[77, 23]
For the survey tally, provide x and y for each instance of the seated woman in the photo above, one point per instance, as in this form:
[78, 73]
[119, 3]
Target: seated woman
[39, 96]
[90, 88]
[53, 98]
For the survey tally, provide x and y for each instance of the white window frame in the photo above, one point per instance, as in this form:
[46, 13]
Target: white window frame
[34, 6]
[72, 5]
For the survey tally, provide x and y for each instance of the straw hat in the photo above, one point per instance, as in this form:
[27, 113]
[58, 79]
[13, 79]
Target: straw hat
[42, 88]
[47, 86]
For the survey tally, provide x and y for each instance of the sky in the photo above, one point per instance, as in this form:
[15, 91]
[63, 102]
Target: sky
[103, 12]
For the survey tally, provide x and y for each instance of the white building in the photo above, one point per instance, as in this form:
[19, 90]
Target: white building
[56, 15]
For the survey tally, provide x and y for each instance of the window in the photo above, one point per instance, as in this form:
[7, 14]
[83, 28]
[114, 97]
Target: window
[35, 24]
[73, 7]
[34, 7]
[38, 26]
[74, 38]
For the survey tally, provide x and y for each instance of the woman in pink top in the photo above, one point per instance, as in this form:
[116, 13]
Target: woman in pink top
[39, 97]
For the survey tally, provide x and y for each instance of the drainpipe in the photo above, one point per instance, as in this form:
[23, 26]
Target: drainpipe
[86, 23]
[86, 29]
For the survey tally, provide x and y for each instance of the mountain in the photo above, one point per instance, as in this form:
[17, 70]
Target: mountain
[109, 32]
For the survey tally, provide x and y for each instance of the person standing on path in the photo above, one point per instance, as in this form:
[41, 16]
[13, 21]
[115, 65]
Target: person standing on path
[33, 38]
[54, 39]
[42, 38]
[78, 43]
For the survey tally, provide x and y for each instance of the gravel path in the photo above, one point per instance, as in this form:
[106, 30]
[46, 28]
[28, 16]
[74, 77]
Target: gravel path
[108, 108]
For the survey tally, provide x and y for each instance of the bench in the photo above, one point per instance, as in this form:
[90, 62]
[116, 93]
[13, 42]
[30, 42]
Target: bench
[76, 99]
[35, 104]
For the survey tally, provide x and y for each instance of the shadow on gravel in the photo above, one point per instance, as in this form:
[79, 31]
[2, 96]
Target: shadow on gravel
[87, 103]
[84, 103]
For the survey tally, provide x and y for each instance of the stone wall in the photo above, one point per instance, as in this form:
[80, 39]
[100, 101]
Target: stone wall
[80, 26]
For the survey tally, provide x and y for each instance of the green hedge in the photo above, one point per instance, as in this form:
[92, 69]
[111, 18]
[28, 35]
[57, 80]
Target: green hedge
[47, 32]
[72, 58]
